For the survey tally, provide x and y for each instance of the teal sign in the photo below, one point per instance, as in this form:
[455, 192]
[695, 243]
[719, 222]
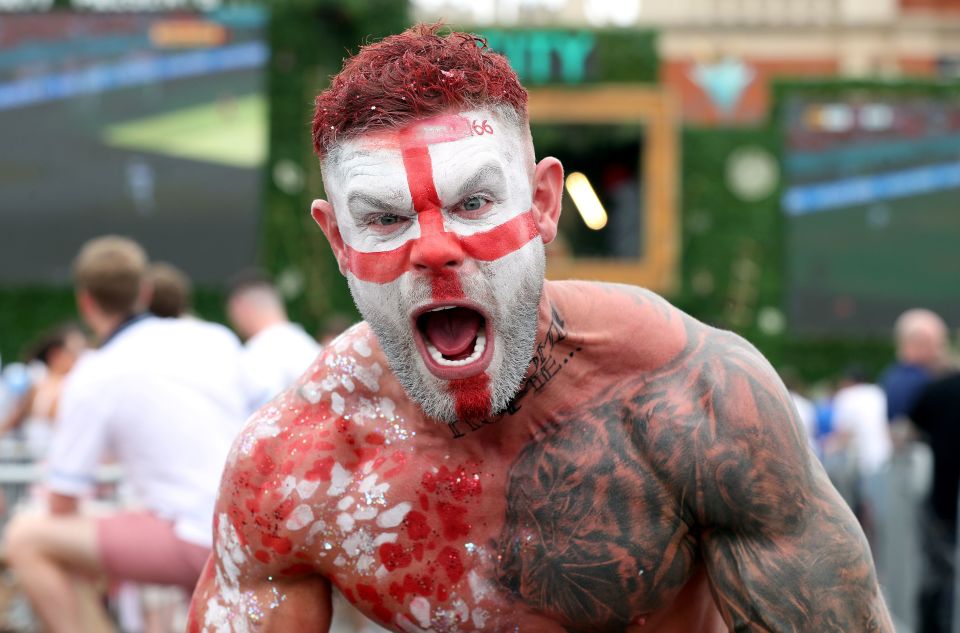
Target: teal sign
[541, 57]
[571, 57]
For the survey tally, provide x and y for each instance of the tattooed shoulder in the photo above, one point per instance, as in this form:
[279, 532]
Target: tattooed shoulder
[768, 518]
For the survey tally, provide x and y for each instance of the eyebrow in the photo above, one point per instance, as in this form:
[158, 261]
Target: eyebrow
[356, 198]
[489, 175]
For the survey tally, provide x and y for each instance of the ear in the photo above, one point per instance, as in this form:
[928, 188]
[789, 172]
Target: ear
[84, 301]
[547, 197]
[86, 306]
[323, 215]
[146, 295]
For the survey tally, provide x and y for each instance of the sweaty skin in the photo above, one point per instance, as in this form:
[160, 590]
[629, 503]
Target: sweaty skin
[651, 476]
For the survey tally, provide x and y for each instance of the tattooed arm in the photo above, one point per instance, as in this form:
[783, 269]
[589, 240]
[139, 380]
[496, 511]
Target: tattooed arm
[782, 550]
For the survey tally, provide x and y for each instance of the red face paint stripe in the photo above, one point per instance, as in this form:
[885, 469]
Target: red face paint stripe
[446, 287]
[387, 266]
[444, 128]
[419, 168]
[431, 223]
[501, 240]
[472, 397]
[379, 268]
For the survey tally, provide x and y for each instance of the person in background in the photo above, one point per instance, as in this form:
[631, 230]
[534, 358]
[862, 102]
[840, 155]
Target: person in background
[861, 438]
[277, 351]
[172, 291]
[920, 337]
[333, 326]
[58, 351]
[164, 397]
[805, 407]
[172, 298]
[921, 341]
[860, 422]
[936, 415]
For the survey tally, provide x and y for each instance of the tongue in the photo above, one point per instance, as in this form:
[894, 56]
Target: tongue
[452, 331]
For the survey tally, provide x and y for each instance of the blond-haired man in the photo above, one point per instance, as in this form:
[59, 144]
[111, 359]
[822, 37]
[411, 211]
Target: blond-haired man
[163, 396]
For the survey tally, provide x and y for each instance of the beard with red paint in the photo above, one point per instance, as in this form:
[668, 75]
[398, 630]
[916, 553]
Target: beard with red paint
[461, 348]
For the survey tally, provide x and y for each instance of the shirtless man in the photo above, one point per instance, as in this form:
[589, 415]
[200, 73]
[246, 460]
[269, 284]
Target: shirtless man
[489, 452]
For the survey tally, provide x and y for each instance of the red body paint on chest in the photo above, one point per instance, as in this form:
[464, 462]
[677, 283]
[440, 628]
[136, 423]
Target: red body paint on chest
[449, 559]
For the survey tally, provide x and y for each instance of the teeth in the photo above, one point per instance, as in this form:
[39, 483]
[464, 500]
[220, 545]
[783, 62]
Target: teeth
[442, 308]
[478, 349]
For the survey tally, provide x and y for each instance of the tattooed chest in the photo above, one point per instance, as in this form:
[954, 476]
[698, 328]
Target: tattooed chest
[591, 538]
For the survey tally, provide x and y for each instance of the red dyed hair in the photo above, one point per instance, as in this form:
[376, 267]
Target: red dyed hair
[415, 74]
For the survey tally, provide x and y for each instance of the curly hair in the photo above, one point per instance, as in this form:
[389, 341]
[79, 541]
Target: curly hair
[414, 74]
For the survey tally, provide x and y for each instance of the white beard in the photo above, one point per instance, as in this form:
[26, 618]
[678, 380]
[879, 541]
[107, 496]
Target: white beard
[509, 289]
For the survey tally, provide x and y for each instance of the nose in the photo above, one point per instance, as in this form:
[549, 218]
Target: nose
[436, 253]
[435, 250]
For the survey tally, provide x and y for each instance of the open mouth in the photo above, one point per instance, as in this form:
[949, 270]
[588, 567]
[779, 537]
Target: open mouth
[454, 340]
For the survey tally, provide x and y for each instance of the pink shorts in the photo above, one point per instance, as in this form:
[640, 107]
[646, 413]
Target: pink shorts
[139, 546]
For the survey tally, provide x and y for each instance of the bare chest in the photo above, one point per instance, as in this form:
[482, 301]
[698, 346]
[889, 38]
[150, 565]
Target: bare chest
[570, 532]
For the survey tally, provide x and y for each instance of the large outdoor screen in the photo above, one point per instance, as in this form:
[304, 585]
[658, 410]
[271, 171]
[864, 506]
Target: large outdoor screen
[148, 125]
[872, 207]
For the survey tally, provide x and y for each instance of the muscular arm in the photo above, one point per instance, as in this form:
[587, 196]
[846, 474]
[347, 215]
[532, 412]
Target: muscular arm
[255, 601]
[259, 575]
[782, 550]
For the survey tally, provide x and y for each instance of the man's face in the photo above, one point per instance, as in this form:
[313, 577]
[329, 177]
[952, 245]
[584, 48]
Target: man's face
[443, 256]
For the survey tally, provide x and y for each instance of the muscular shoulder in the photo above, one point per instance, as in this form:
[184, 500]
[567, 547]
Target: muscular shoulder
[287, 473]
[637, 326]
[718, 424]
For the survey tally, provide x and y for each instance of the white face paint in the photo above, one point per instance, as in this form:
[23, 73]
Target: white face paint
[437, 214]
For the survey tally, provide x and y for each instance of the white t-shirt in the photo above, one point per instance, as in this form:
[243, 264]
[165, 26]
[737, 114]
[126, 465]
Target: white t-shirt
[861, 411]
[164, 399]
[808, 416]
[274, 359]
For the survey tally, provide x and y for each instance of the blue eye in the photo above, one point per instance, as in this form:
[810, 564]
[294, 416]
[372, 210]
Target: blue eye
[386, 220]
[473, 203]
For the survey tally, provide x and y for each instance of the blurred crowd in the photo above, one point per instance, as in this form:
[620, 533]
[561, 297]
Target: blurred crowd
[115, 429]
[113, 436]
[889, 445]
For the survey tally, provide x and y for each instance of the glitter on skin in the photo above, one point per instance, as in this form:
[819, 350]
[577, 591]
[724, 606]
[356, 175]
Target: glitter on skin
[252, 607]
[348, 541]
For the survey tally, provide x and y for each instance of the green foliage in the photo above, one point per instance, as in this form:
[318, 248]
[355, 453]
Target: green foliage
[732, 249]
[309, 40]
[628, 56]
[732, 267]
[27, 312]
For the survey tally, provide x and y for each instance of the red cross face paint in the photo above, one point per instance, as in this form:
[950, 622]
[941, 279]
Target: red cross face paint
[443, 256]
